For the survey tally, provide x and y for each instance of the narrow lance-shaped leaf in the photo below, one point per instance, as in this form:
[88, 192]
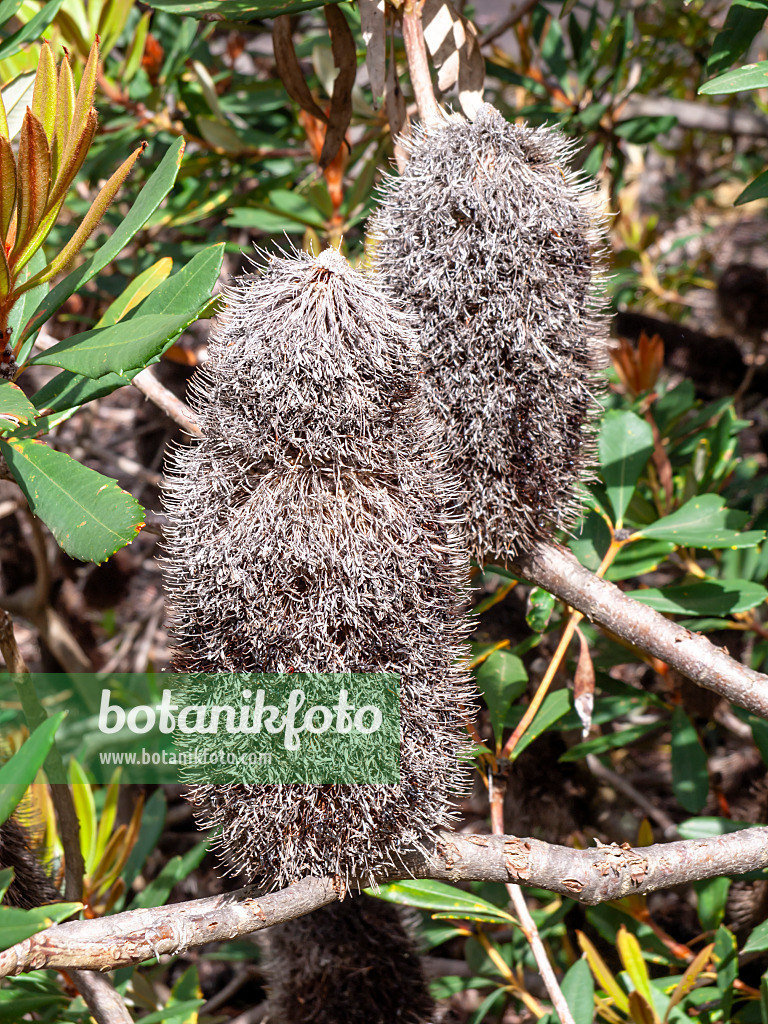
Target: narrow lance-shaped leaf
[84, 100]
[72, 160]
[127, 345]
[89, 222]
[345, 59]
[88, 514]
[33, 180]
[7, 187]
[288, 68]
[137, 291]
[58, 194]
[20, 770]
[3, 121]
[150, 197]
[5, 273]
[15, 407]
[44, 94]
[65, 107]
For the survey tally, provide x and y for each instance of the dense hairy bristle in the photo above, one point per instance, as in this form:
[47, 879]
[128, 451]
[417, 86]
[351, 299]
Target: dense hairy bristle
[315, 529]
[352, 962]
[489, 240]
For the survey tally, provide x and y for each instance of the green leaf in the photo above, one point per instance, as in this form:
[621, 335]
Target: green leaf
[712, 896]
[150, 197]
[626, 444]
[176, 870]
[439, 898]
[127, 345]
[727, 966]
[552, 709]
[237, 10]
[19, 771]
[17, 925]
[88, 514]
[541, 604]
[188, 290]
[610, 741]
[6, 877]
[579, 991]
[641, 130]
[701, 522]
[707, 827]
[85, 808]
[750, 76]
[710, 597]
[501, 678]
[758, 940]
[33, 29]
[591, 541]
[15, 407]
[744, 20]
[136, 292]
[690, 775]
[757, 189]
[638, 558]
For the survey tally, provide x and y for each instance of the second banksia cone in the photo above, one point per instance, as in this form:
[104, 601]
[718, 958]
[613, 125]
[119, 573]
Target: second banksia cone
[314, 529]
[489, 240]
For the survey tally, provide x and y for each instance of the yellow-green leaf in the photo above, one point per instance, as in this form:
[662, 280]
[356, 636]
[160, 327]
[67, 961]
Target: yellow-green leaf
[602, 974]
[7, 187]
[3, 121]
[44, 93]
[631, 956]
[108, 814]
[84, 100]
[65, 107]
[72, 159]
[85, 808]
[33, 178]
[89, 222]
[5, 273]
[137, 291]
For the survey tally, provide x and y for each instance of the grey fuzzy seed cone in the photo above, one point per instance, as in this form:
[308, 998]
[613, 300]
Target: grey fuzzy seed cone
[315, 528]
[493, 246]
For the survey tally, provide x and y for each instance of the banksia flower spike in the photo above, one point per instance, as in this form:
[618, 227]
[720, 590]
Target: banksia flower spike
[314, 529]
[489, 240]
[55, 136]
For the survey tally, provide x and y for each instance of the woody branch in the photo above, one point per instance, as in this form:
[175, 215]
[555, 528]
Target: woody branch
[590, 876]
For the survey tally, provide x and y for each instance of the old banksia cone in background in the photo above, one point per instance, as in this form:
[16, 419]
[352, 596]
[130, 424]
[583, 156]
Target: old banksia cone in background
[488, 239]
[313, 529]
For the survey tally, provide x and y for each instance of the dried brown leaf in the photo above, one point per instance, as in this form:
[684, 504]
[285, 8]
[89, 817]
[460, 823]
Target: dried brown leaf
[584, 685]
[345, 59]
[288, 68]
[452, 43]
[373, 25]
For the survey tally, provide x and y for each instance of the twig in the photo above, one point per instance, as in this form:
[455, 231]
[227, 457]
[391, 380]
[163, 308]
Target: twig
[599, 770]
[518, 10]
[590, 876]
[149, 385]
[550, 566]
[418, 65]
[105, 1004]
[527, 924]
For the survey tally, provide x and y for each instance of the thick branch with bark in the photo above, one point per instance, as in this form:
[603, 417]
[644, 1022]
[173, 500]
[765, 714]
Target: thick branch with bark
[589, 876]
[552, 567]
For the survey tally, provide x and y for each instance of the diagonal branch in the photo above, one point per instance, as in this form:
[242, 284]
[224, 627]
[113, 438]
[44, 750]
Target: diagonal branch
[590, 876]
[550, 566]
